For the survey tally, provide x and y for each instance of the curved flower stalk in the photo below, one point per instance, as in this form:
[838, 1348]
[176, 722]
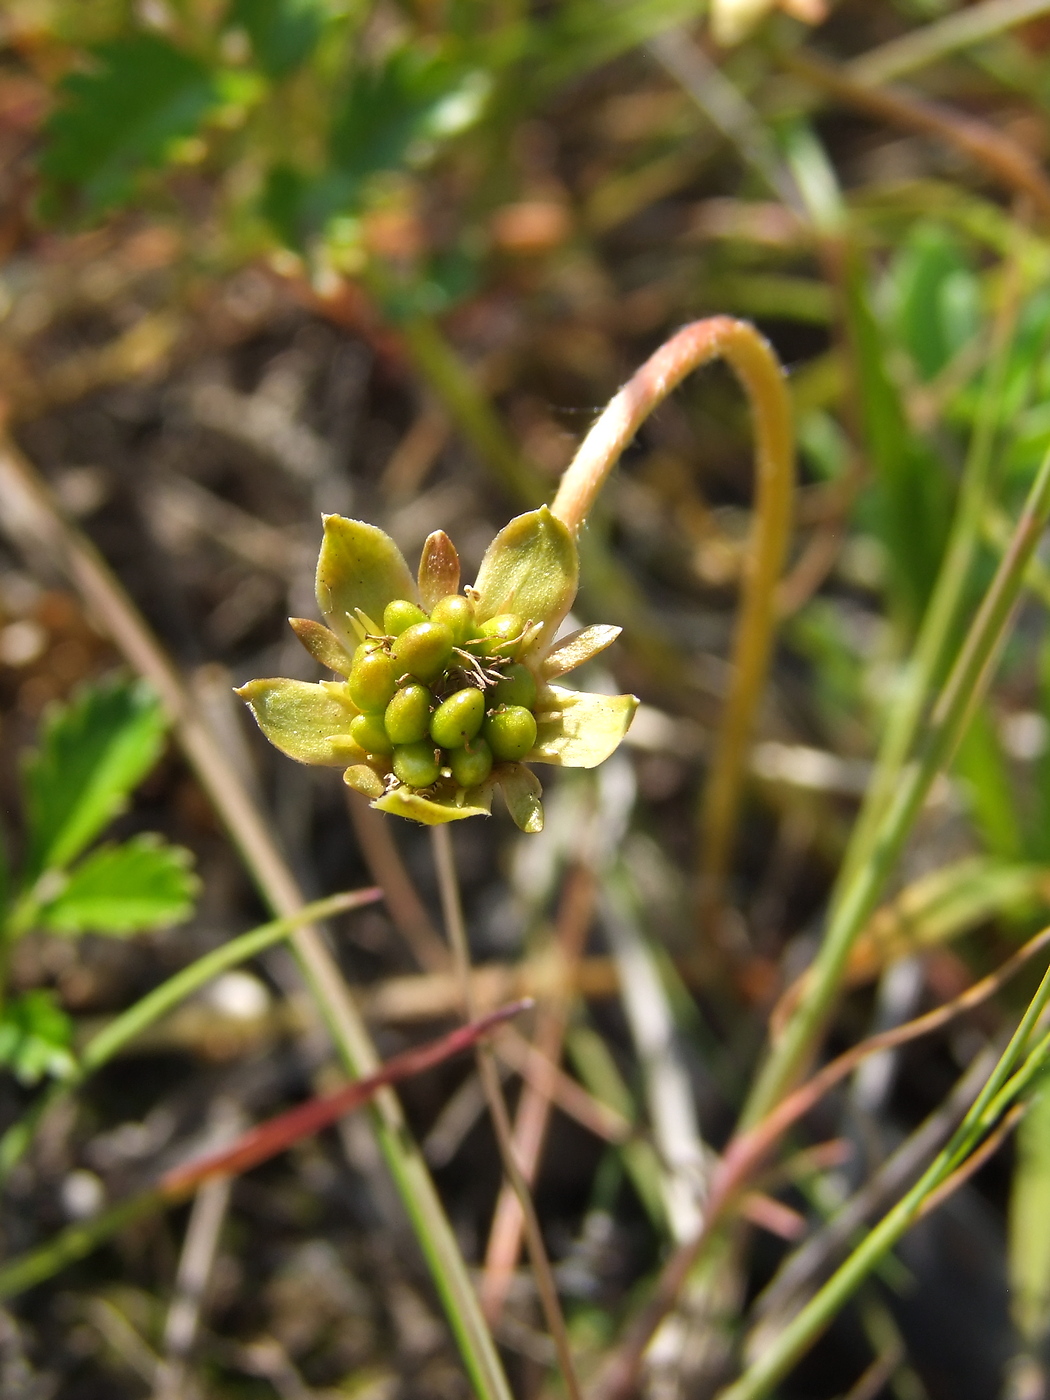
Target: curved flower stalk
[444, 695]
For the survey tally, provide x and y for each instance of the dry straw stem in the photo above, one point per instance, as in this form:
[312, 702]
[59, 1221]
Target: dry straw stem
[533, 1113]
[762, 377]
[1008, 163]
[543, 1274]
[34, 522]
[748, 1150]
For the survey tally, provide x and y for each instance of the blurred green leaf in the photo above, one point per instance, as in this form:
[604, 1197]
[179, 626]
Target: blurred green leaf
[283, 33]
[934, 298]
[92, 753]
[1028, 1257]
[127, 114]
[117, 890]
[913, 495]
[35, 1038]
[993, 808]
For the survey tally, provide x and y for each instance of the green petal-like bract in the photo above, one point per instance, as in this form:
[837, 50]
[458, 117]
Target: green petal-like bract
[579, 730]
[522, 793]
[324, 646]
[531, 568]
[360, 567]
[307, 722]
[435, 812]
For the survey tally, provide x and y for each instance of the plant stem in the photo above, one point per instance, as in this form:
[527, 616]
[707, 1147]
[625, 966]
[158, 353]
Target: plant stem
[452, 908]
[956, 31]
[964, 687]
[755, 365]
[29, 513]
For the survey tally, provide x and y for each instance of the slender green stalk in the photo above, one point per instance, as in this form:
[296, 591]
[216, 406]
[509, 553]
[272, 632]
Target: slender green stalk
[956, 31]
[149, 1009]
[965, 686]
[1004, 1087]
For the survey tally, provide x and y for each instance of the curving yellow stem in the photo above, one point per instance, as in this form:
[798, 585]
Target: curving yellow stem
[760, 373]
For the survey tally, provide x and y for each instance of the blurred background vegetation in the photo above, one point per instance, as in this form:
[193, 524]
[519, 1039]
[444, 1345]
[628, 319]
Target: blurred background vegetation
[268, 258]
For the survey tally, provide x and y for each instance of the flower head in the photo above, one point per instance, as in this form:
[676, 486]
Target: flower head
[445, 695]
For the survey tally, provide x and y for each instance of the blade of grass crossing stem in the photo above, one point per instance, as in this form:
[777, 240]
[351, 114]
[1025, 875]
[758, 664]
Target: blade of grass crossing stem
[951, 714]
[149, 1009]
[257, 1145]
[1004, 1088]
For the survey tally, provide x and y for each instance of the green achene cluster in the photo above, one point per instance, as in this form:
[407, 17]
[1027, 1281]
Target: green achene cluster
[441, 696]
[444, 696]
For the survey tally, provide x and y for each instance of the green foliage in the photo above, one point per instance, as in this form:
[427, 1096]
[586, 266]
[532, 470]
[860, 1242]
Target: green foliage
[127, 114]
[35, 1038]
[283, 33]
[92, 753]
[1029, 1233]
[118, 890]
[934, 298]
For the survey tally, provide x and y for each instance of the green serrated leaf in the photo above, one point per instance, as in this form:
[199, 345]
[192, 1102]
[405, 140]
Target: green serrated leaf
[117, 890]
[283, 33]
[93, 752]
[124, 116]
[35, 1038]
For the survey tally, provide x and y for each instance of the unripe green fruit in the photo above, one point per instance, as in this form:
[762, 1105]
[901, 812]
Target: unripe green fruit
[366, 649]
[407, 717]
[417, 765]
[423, 651]
[369, 732]
[457, 614]
[457, 719]
[373, 680]
[518, 687]
[400, 615]
[502, 634]
[471, 766]
[511, 732]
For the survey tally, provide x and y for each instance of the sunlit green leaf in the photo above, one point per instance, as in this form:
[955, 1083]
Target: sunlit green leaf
[1028, 1255]
[35, 1038]
[126, 114]
[530, 568]
[308, 722]
[92, 753]
[360, 567]
[143, 884]
[579, 730]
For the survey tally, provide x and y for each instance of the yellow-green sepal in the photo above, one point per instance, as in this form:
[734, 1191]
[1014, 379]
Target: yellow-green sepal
[521, 792]
[577, 648]
[532, 569]
[360, 568]
[308, 722]
[577, 729]
[324, 646]
[435, 811]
